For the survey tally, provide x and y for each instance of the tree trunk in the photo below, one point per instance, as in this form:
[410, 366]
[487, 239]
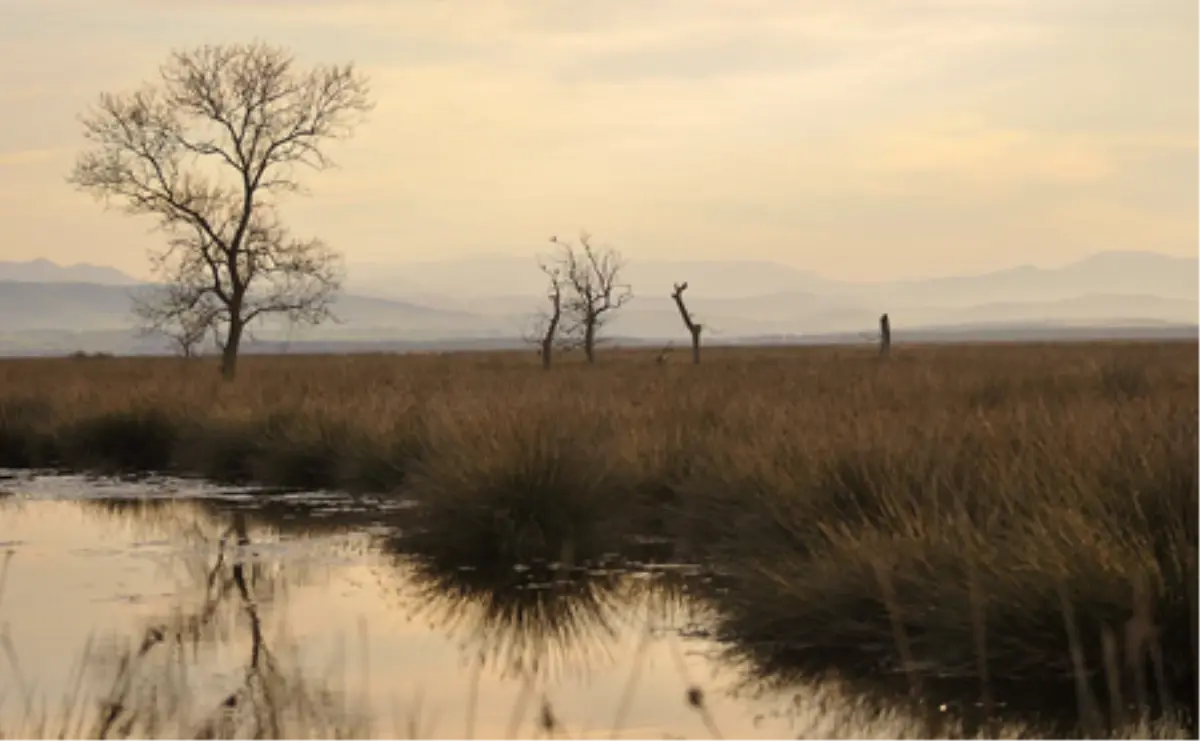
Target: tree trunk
[589, 341]
[693, 328]
[229, 354]
[551, 331]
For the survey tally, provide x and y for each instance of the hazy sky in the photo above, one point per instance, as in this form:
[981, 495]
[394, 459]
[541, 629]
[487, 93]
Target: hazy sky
[858, 138]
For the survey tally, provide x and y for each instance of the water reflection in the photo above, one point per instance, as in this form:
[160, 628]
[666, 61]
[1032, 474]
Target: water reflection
[238, 615]
[138, 684]
[219, 618]
[519, 620]
[539, 618]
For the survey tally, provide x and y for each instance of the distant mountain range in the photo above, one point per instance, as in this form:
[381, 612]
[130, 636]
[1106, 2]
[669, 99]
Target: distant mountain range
[488, 301]
[467, 279]
[45, 271]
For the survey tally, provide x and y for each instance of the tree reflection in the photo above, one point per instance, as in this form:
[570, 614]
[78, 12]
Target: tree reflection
[149, 683]
[530, 621]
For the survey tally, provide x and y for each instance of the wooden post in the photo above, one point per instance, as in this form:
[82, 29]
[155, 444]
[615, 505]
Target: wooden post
[693, 328]
[885, 336]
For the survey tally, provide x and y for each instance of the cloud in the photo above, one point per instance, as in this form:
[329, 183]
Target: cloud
[748, 125]
[1151, 143]
[16, 158]
[969, 151]
[1147, 227]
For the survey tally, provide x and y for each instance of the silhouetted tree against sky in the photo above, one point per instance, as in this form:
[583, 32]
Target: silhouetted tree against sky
[694, 327]
[208, 150]
[167, 312]
[592, 277]
[545, 329]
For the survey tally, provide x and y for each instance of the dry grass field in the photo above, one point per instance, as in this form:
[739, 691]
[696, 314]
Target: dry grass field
[998, 518]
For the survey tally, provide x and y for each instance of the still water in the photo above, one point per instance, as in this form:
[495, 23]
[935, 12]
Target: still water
[178, 608]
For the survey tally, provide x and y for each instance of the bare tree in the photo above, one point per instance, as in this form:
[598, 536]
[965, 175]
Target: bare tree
[162, 311]
[591, 276]
[694, 328]
[298, 279]
[207, 151]
[545, 332]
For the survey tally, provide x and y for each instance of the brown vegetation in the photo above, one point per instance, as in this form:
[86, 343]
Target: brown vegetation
[998, 517]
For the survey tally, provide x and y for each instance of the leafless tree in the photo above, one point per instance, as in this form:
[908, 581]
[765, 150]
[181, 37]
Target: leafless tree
[161, 311]
[694, 328]
[207, 151]
[546, 324]
[592, 277]
[298, 279]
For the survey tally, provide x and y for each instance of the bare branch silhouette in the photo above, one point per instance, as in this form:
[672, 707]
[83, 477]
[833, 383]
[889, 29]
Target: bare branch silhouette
[206, 152]
[694, 328]
[546, 324]
[592, 277]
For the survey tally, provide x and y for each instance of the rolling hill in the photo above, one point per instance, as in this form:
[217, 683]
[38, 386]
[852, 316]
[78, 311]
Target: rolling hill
[45, 271]
[46, 308]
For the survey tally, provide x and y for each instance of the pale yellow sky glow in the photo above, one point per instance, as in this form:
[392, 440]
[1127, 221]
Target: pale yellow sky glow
[876, 139]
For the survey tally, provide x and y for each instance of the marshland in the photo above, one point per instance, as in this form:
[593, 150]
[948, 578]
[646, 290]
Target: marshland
[957, 540]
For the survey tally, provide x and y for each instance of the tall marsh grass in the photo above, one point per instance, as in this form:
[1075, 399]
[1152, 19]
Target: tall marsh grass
[990, 522]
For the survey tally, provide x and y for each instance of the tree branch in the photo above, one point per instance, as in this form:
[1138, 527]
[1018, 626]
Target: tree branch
[226, 127]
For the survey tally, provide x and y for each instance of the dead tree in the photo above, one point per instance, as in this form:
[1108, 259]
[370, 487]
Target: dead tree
[694, 328]
[547, 331]
[592, 277]
[885, 336]
[207, 152]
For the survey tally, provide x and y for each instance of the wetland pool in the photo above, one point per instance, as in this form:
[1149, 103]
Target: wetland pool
[185, 604]
[162, 607]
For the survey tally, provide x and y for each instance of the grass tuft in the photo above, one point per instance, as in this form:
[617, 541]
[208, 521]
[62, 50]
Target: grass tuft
[542, 489]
